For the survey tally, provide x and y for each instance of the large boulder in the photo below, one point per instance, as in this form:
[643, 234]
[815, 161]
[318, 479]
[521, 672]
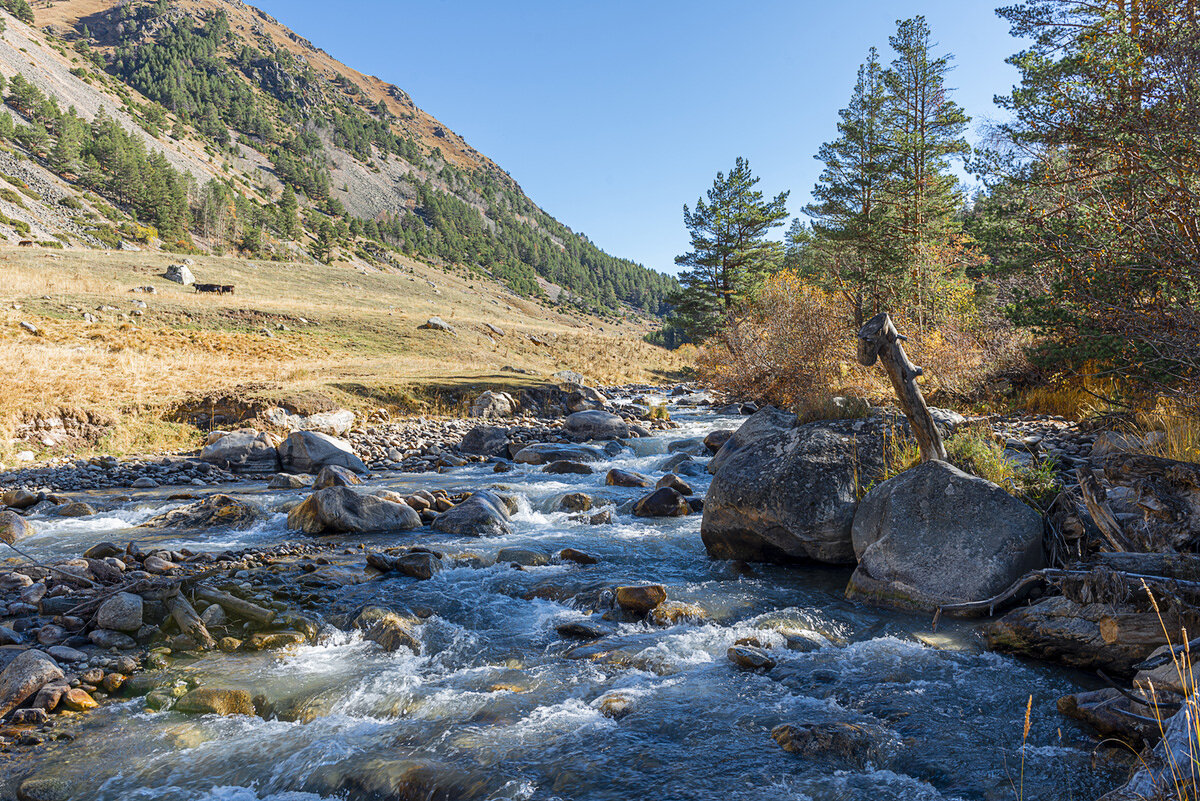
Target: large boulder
[784, 492]
[336, 423]
[582, 399]
[215, 510]
[180, 274]
[309, 451]
[493, 404]
[547, 452]
[596, 424]
[485, 441]
[13, 527]
[438, 324]
[483, 514]
[333, 475]
[25, 675]
[341, 509]
[243, 451]
[935, 535]
[121, 612]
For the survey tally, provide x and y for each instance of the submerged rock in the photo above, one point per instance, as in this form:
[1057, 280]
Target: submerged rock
[935, 535]
[783, 492]
[213, 701]
[564, 467]
[396, 780]
[388, 628]
[843, 741]
[215, 510]
[341, 509]
[483, 514]
[750, 657]
[547, 452]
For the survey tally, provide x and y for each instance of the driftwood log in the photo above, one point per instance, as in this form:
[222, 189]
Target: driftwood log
[1096, 501]
[189, 622]
[878, 340]
[236, 606]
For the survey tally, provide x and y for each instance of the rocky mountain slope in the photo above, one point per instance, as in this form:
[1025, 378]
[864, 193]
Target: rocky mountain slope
[260, 128]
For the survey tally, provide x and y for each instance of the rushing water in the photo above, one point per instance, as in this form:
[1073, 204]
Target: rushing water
[494, 703]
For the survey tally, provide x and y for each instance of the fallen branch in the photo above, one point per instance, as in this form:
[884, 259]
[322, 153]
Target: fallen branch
[1097, 506]
[236, 606]
[67, 573]
[189, 622]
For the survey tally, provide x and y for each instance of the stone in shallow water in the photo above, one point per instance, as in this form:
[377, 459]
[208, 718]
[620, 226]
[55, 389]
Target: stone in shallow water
[750, 657]
[843, 741]
[24, 676]
[640, 599]
[214, 701]
[614, 705]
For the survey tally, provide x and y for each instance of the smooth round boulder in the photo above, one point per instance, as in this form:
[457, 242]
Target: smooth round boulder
[935, 535]
[525, 557]
[784, 492]
[547, 452]
[483, 514]
[342, 510]
[595, 424]
[485, 440]
[564, 467]
[676, 483]
[309, 451]
[333, 475]
[14, 528]
[627, 478]
[640, 599]
[121, 612]
[663, 502]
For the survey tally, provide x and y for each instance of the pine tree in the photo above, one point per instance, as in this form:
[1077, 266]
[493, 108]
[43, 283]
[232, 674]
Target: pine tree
[926, 131]
[852, 219]
[730, 251]
[289, 220]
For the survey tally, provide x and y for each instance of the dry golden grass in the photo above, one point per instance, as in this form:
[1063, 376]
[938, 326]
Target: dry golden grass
[351, 334]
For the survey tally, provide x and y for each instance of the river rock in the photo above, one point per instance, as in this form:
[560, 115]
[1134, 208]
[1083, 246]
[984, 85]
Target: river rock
[24, 676]
[564, 467]
[388, 628]
[575, 502]
[676, 483]
[121, 612]
[215, 510]
[493, 404]
[715, 439]
[243, 451]
[309, 451]
[367, 779]
[483, 514]
[342, 509]
[582, 399]
[77, 700]
[106, 638]
[485, 441]
[845, 741]
[418, 564]
[664, 502]
[576, 556]
[525, 557]
[595, 424]
[13, 527]
[640, 599]
[546, 452]
[20, 499]
[750, 657]
[46, 788]
[75, 509]
[214, 701]
[614, 705]
[627, 478]
[935, 535]
[1087, 636]
[290, 481]
[333, 475]
[784, 492]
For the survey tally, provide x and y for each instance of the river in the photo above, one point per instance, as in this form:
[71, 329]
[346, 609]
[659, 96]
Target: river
[495, 708]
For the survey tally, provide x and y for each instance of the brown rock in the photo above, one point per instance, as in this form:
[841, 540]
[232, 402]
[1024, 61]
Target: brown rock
[213, 701]
[78, 700]
[641, 599]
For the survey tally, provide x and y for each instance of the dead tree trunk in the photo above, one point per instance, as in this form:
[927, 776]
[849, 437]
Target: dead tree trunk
[189, 622]
[879, 340]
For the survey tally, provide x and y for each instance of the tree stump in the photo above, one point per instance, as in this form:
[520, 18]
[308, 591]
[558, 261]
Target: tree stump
[878, 340]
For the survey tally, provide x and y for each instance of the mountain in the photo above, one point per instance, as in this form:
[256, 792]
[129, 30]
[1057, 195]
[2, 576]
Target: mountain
[206, 126]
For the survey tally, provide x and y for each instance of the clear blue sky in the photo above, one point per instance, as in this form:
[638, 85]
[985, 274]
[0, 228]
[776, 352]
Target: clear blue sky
[612, 114]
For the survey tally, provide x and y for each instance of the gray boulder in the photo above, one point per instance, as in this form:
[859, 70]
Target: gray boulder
[25, 675]
[786, 492]
[438, 324]
[485, 441]
[243, 451]
[215, 510]
[341, 509]
[333, 475]
[493, 404]
[581, 399]
[596, 424]
[547, 452]
[309, 451]
[935, 535]
[180, 274]
[121, 612]
[483, 514]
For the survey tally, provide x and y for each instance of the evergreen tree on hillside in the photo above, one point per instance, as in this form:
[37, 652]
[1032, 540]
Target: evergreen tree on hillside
[730, 250]
[289, 219]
